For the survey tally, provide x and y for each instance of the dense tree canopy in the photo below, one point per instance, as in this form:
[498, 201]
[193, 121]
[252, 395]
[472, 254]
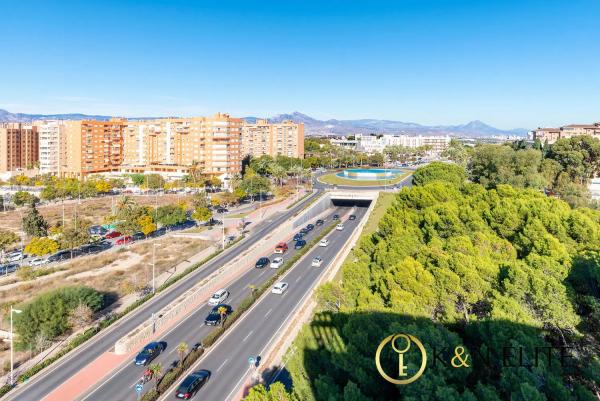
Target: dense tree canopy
[438, 171]
[462, 264]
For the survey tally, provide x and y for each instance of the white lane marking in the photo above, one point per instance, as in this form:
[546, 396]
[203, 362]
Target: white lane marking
[299, 277]
[262, 273]
[223, 364]
[270, 310]
[248, 335]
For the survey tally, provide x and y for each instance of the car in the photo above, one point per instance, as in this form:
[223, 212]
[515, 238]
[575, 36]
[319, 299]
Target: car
[339, 227]
[298, 236]
[148, 353]
[38, 261]
[138, 236]
[214, 317]
[299, 244]
[310, 227]
[93, 248]
[112, 234]
[97, 230]
[352, 217]
[324, 242]
[124, 240]
[280, 287]
[319, 222]
[157, 233]
[222, 210]
[276, 263]
[317, 262]
[58, 256]
[262, 262]
[218, 297]
[282, 247]
[304, 231]
[8, 268]
[191, 384]
[14, 256]
[336, 216]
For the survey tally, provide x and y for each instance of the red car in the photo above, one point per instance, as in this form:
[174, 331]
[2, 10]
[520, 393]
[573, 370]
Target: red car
[112, 234]
[125, 240]
[281, 247]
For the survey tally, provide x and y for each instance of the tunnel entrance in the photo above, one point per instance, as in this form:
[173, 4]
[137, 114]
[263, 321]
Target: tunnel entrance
[350, 202]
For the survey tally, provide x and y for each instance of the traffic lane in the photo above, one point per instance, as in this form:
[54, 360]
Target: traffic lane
[43, 383]
[228, 361]
[121, 385]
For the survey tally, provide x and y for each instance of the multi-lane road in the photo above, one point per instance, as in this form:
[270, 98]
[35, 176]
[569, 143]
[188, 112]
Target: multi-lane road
[120, 385]
[46, 381]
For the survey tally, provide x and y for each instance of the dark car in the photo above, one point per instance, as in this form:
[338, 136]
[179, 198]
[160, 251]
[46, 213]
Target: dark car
[352, 217]
[298, 236]
[299, 244]
[58, 256]
[8, 268]
[158, 233]
[192, 384]
[336, 216]
[222, 210]
[262, 262]
[148, 353]
[304, 231]
[319, 222]
[214, 317]
[92, 248]
[138, 236]
[310, 227]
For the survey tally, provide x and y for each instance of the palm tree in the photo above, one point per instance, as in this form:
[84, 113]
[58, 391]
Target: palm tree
[156, 369]
[182, 348]
[125, 202]
[223, 314]
[279, 173]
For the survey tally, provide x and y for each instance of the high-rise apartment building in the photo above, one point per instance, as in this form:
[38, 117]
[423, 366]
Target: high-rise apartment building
[273, 139]
[551, 135]
[213, 144]
[52, 145]
[92, 146]
[18, 146]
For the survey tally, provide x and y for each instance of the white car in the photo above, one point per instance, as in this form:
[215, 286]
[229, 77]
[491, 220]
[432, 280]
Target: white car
[14, 256]
[38, 261]
[276, 263]
[324, 242]
[279, 288]
[339, 227]
[317, 262]
[218, 297]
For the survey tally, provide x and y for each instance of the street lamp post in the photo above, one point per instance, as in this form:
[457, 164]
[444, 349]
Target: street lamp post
[12, 344]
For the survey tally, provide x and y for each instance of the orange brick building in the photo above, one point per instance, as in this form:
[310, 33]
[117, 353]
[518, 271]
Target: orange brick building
[273, 139]
[19, 146]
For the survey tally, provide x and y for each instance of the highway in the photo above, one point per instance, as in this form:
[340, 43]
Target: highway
[227, 360]
[52, 377]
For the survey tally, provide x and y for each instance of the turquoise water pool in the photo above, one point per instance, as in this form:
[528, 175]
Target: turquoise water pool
[374, 174]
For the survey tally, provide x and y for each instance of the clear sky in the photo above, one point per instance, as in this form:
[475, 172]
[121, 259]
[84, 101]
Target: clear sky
[509, 63]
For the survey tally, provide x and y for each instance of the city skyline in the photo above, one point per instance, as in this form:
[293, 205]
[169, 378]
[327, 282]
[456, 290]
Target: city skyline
[504, 64]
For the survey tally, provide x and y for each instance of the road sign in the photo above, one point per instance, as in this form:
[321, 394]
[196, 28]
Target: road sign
[139, 387]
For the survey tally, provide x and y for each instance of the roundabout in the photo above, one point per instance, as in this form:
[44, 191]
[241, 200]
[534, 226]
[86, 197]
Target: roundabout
[363, 177]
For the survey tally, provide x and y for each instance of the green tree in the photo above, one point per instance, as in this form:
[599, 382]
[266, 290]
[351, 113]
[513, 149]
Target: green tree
[169, 215]
[435, 171]
[34, 224]
[21, 198]
[7, 238]
[137, 179]
[182, 349]
[202, 214]
[75, 235]
[153, 181]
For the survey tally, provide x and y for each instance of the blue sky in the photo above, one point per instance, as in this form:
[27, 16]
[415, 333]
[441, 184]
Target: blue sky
[509, 63]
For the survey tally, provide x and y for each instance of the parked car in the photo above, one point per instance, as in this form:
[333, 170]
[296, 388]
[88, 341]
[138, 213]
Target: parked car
[60, 255]
[191, 384]
[14, 256]
[352, 217]
[38, 261]
[148, 353]
[125, 240]
[112, 234]
[276, 263]
[138, 236]
[279, 288]
[222, 210]
[214, 317]
[324, 242]
[319, 222]
[304, 231]
[282, 247]
[336, 216]
[298, 236]
[262, 262]
[8, 268]
[339, 227]
[218, 297]
[157, 233]
[317, 262]
[94, 248]
[299, 244]
[97, 230]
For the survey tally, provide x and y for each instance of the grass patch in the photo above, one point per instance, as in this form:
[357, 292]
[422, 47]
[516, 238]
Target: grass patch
[384, 201]
[333, 179]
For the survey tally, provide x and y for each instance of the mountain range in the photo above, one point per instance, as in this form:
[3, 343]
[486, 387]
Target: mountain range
[314, 126]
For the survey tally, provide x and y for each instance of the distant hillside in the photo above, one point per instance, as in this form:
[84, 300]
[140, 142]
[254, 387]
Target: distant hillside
[321, 127]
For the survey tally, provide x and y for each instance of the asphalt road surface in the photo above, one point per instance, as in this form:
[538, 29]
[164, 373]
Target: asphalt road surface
[46, 381]
[120, 385]
[227, 360]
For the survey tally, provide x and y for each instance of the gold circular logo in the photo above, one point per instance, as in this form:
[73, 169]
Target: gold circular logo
[401, 366]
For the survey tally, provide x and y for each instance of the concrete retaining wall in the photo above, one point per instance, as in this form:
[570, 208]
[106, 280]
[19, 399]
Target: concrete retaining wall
[313, 212]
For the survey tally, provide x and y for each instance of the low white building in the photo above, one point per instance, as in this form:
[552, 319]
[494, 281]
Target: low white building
[377, 143]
